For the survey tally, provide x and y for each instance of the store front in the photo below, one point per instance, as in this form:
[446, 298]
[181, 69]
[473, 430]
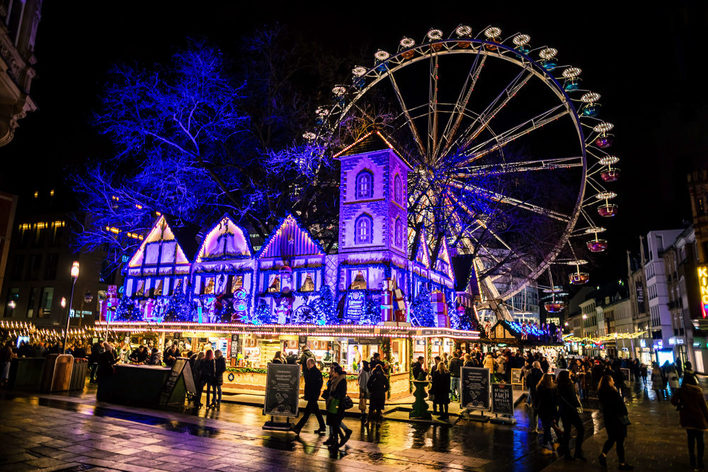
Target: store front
[248, 349]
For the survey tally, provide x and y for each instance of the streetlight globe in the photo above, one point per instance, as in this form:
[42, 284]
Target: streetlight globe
[63, 302]
[75, 270]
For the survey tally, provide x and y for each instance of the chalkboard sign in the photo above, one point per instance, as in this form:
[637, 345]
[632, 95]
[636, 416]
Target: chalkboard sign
[503, 399]
[188, 375]
[172, 379]
[516, 377]
[282, 390]
[474, 382]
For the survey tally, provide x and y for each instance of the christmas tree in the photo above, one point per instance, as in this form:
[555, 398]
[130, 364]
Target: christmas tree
[422, 309]
[128, 311]
[325, 310]
[179, 307]
[262, 314]
[372, 312]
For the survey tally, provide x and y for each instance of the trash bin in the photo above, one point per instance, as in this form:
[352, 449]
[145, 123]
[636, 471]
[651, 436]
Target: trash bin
[78, 374]
[57, 373]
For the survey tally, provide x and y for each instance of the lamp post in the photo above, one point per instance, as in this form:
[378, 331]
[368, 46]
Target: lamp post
[74, 276]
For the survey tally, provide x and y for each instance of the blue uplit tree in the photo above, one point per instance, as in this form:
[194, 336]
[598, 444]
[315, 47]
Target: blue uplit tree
[422, 308]
[262, 314]
[325, 308]
[194, 138]
[179, 307]
[127, 310]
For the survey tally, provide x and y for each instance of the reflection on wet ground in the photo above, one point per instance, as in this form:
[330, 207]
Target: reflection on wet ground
[497, 447]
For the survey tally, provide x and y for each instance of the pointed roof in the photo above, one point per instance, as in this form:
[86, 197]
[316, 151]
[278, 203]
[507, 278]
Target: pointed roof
[289, 240]
[215, 246]
[160, 232]
[443, 264]
[372, 141]
[422, 253]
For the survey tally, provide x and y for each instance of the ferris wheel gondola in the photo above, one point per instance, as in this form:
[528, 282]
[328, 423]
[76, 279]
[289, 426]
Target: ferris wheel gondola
[509, 154]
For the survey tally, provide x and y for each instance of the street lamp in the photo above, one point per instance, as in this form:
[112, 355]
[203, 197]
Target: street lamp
[74, 275]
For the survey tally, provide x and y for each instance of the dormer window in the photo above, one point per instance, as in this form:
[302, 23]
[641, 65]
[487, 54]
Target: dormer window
[364, 184]
[398, 189]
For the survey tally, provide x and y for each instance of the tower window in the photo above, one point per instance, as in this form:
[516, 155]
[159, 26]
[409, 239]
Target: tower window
[397, 189]
[398, 233]
[364, 184]
[364, 227]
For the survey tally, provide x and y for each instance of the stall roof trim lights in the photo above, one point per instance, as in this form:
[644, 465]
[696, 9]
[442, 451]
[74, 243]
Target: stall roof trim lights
[235, 242]
[290, 240]
[444, 256]
[368, 330]
[423, 252]
[160, 231]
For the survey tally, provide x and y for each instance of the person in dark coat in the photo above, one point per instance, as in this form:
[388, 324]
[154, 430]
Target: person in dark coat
[195, 362]
[219, 369]
[106, 361]
[170, 355]
[532, 380]
[377, 387]
[335, 408]
[441, 389]
[375, 360]
[570, 408]
[313, 386]
[417, 368]
[546, 405]
[693, 415]
[208, 368]
[96, 350]
[614, 411]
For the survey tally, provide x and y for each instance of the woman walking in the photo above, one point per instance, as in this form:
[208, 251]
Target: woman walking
[614, 411]
[441, 389]
[570, 409]
[546, 404]
[658, 383]
[377, 387]
[693, 415]
[364, 376]
[335, 408]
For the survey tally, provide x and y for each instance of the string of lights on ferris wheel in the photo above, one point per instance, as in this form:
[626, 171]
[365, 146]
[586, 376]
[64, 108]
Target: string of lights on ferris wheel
[434, 149]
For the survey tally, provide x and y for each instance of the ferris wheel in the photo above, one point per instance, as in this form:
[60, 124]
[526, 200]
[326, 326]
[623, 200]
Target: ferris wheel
[510, 158]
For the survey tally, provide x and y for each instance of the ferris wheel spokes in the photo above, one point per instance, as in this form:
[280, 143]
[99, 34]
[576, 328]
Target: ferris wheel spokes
[406, 112]
[432, 107]
[461, 104]
[520, 166]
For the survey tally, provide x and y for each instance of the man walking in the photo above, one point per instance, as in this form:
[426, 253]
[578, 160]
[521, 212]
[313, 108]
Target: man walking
[455, 364]
[313, 386]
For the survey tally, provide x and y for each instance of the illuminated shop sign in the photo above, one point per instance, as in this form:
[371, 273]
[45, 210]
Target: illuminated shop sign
[703, 287]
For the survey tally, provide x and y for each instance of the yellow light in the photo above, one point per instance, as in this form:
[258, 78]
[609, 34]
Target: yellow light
[36, 194]
[75, 270]
[51, 193]
[41, 225]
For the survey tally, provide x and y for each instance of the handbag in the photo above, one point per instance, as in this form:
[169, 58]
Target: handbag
[333, 406]
[624, 419]
[347, 403]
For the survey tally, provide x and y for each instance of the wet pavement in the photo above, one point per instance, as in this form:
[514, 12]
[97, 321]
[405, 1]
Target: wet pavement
[73, 433]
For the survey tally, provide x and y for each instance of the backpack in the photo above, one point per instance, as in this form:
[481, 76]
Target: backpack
[347, 403]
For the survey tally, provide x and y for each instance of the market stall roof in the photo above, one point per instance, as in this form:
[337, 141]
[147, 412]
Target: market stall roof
[352, 331]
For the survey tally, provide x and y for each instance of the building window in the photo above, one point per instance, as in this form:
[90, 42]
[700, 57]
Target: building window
[50, 267]
[236, 283]
[34, 294]
[364, 184]
[397, 189]
[35, 262]
[308, 285]
[364, 227]
[45, 304]
[398, 233]
[274, 284]
[209, 286]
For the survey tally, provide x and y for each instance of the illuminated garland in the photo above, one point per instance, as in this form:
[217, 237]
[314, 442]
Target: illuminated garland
[569, 338]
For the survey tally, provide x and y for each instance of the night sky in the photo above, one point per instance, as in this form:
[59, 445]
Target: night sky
[644, 62]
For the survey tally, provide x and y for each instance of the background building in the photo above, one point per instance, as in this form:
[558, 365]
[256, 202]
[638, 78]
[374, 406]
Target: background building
[19, 20]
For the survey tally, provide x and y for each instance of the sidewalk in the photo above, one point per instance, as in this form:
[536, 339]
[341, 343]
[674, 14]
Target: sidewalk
[655, 441]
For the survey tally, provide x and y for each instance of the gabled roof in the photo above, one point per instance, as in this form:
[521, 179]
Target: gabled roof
[289, 240]
[225, 240]
[422, 252]
[160, 231]
[444, 256]
[370, 142]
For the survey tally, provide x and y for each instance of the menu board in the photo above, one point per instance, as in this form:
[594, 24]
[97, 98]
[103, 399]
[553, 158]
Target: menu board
[474, 382]
[282, 389]
[516, 378]
[171, 382]
[503, 399]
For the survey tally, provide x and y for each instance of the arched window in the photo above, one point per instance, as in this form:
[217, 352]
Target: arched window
[364, 230]
[398, 233]
[364, 184]
[397, 189]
